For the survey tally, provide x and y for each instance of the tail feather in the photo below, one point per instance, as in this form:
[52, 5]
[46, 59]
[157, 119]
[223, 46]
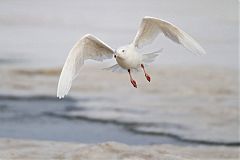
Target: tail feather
[150, 57]
[119, 69]
[115, 68]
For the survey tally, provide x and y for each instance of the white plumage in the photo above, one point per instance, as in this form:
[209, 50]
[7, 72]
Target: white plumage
[127, 57]
[151, 27]
[88, 47]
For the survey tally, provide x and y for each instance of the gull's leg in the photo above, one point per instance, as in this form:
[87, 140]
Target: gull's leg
[146, 75]
[134, 83]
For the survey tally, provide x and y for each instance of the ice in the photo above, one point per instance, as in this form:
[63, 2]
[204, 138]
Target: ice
[195, 104]
[26, 149]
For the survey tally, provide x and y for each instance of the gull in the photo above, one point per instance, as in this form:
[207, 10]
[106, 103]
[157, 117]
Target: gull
[127, 57]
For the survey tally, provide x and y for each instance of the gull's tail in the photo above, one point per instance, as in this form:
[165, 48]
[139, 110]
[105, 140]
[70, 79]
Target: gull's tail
[150, 57]
[115, 68]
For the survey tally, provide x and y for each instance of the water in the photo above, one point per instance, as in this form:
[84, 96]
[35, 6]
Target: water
[185, 90]
[164, 111]
[19, 120]
[49, 121]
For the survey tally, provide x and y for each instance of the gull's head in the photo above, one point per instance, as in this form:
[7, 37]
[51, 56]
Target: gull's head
[121, 52]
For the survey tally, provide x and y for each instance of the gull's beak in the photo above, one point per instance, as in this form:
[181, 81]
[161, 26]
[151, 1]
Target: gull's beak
[114, 54]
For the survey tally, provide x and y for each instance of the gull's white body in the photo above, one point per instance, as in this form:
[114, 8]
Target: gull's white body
[127, 57]
[131, 59]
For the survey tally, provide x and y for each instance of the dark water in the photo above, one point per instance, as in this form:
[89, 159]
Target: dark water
[40, 118]
[18, 119]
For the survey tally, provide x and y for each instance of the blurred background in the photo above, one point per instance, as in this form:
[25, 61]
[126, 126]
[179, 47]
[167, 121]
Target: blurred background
[192, 100]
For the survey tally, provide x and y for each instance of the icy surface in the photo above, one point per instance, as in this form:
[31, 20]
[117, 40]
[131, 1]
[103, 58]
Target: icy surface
[197, 104]
[28, 150]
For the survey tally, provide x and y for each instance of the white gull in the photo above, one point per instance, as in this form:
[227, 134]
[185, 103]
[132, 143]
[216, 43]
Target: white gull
[127, 57]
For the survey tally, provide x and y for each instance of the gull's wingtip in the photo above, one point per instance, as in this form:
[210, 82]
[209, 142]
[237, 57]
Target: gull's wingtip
[201, 51]
[60, 97]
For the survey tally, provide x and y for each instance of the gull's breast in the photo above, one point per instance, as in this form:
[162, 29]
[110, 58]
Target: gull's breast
[129, 62]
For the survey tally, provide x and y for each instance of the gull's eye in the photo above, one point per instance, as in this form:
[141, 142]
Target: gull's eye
[123, 50]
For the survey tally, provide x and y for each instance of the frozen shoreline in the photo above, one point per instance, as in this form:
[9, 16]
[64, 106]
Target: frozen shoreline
[32, 149]
[198, 95]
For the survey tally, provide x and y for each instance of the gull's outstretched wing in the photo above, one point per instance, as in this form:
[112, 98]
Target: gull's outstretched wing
[150, 27]
[88, 47]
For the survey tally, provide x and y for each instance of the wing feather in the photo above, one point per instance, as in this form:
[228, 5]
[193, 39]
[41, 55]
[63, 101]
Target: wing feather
[88, 47]
[150, 28]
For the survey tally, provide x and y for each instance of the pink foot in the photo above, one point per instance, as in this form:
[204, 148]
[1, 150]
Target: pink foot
[134, 83]
[148, 77]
